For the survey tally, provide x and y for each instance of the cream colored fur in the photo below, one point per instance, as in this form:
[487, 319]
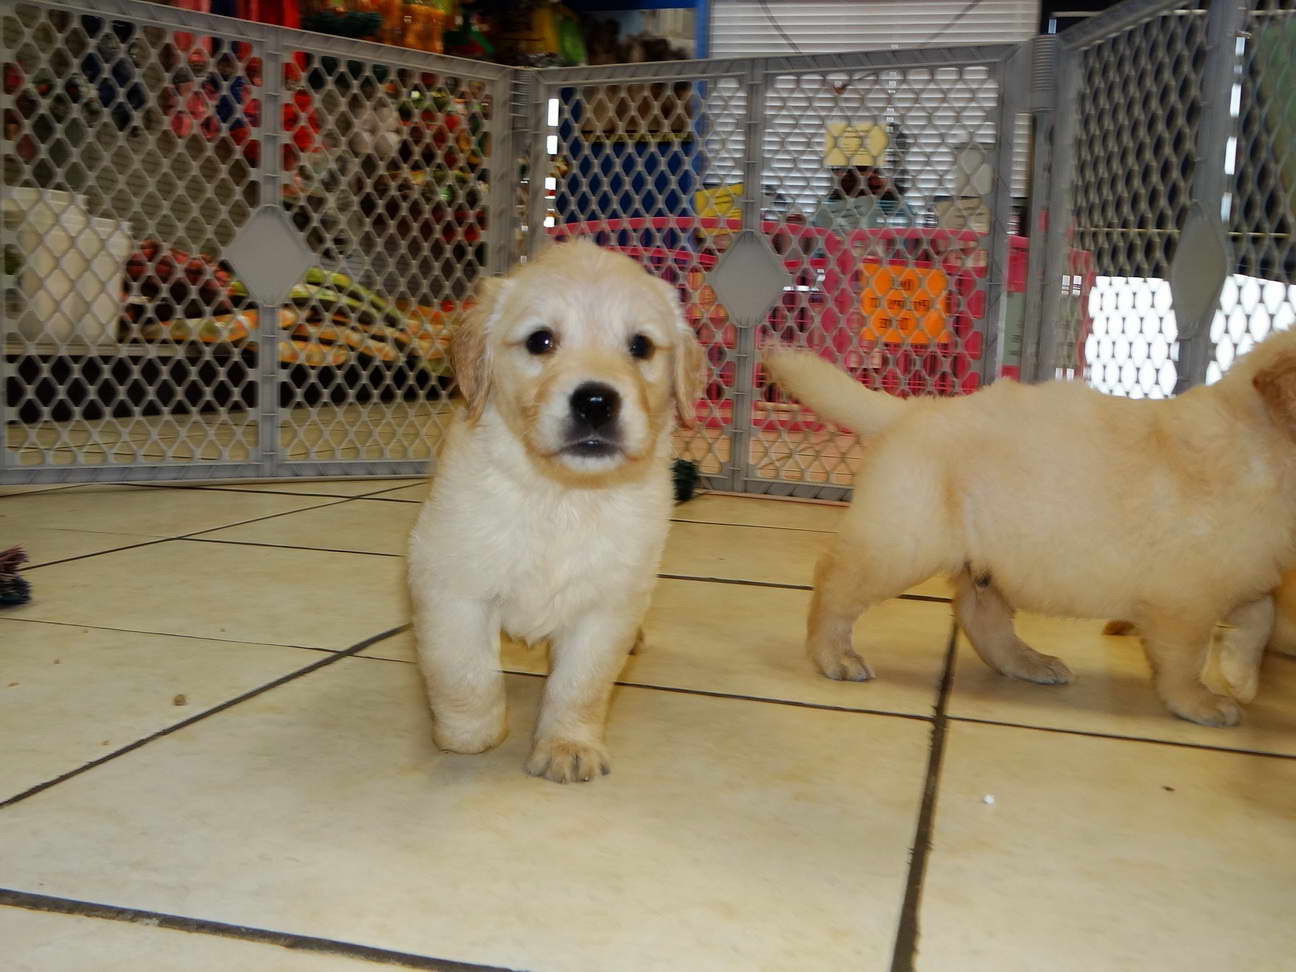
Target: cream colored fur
[547, 546]
[1233, 663]
[1056, 499]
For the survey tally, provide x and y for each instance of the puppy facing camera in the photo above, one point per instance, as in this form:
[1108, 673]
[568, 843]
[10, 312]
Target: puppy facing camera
[551, 496]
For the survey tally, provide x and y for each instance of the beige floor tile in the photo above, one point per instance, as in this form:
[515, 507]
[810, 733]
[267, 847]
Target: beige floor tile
[755, 554]
[38, 941]
[144, 511]
[271, 595]
[92, 690]
[748, 641]
[359, 525]
[730, 834]
[1112, 692]
[1107, 854]
[45, 544]
[753, 511]
[742, 553]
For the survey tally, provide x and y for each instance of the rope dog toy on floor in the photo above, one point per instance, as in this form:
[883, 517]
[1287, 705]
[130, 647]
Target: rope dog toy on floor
[14, 589]
[686, 477]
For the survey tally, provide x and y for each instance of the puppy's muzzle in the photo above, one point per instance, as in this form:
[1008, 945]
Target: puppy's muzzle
[594, 428]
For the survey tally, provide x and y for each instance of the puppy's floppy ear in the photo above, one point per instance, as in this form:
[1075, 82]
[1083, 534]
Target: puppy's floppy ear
[689, 378]
[470, 345]
[1276, 386]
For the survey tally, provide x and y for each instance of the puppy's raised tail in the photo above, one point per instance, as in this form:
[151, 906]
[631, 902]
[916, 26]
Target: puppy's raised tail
[833, 394]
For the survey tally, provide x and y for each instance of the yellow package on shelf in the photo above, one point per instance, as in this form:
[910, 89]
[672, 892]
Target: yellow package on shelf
[721, 203]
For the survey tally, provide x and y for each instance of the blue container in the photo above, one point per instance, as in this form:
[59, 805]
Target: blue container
[628, 176]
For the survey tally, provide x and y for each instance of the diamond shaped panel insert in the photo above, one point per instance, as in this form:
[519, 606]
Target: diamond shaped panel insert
[748, 279]
[1201, 264]
[269, 255]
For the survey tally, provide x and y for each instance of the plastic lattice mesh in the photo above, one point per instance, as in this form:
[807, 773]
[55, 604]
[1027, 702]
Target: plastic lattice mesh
[881, 186]
[225, 254]
[126, 172]
[645, 168]
[1260, 296]
[1134, 151]
[386, 177]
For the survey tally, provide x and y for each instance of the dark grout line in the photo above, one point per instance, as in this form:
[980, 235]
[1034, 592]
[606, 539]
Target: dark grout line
[97, 553]
[287, 546]
[735, 696]
[704, 693]
[186, 536]
[378, 493]
[935, 599]
[38, 492]
[235, 489]
[32, 901]
[168, 634]
[907, 933]
[330, 659]
[733, 580]
[1118, 737]
[754, 526]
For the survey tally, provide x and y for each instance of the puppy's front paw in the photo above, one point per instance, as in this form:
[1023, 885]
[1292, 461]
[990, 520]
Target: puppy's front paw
[1242, 678]
[469, 738]
[565, 761]
[1206, 709]
[842, 665]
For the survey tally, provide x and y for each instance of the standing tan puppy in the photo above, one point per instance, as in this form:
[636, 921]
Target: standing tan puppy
[551, 497]
[1057, 499]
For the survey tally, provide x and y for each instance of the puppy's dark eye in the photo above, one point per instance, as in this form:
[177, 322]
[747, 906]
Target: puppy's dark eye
[641, 347]
[541, 341]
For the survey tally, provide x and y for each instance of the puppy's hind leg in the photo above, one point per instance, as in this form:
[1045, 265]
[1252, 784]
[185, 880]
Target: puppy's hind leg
[1242, 647]
[458, 655]
[1176, 649]
[853, 575]
[987, 619]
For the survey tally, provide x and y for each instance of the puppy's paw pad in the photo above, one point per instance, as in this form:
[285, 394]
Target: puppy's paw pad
[564, 761]
[1208, 710]
[1041, 669]
[846, 666]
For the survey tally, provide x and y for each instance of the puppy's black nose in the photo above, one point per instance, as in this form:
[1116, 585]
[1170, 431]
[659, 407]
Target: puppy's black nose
[596, 404]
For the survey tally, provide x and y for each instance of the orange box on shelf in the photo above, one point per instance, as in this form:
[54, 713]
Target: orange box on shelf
[904, 306]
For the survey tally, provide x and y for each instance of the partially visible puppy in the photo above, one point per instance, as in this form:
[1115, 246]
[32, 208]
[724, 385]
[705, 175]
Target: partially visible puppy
[551, 497]
[1236, 652]
[1057, 499]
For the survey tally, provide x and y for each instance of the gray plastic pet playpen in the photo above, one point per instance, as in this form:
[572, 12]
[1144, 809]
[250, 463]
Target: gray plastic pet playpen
[236, 251]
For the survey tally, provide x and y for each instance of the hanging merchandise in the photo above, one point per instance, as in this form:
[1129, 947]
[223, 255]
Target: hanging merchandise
[358, 21]
[470, 40]
[546, 32]
[425, 24]
[282, 13]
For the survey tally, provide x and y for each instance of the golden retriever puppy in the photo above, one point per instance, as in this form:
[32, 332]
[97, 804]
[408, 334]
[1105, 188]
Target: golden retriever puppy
[551, 497]
[1236, 652]
[1056, 499]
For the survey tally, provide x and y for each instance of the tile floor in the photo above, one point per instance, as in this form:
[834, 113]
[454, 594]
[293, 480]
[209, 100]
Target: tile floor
[216, 754]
